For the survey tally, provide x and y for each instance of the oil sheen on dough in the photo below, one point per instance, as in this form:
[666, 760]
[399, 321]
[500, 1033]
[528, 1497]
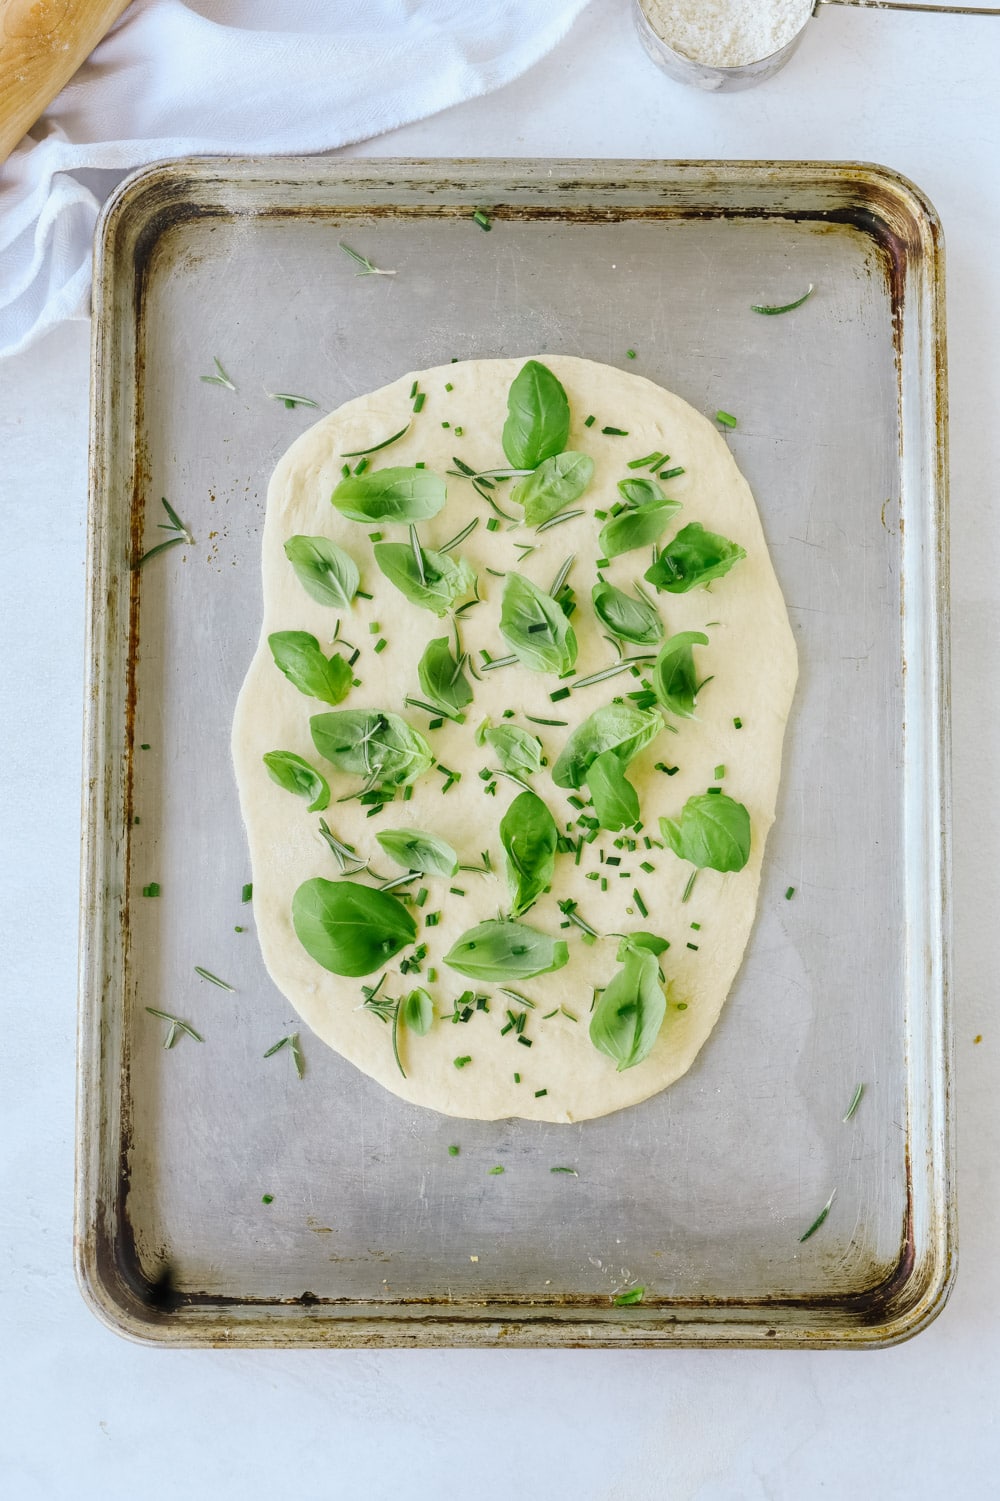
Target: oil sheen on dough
[752, 662]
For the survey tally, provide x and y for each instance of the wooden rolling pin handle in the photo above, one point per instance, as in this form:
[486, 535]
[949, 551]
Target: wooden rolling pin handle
[42, 43]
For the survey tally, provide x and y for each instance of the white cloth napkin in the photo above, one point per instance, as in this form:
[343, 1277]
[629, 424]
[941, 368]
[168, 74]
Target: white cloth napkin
[220, 76]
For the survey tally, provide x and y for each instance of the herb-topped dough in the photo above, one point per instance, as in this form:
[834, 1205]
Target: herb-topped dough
[371, 742]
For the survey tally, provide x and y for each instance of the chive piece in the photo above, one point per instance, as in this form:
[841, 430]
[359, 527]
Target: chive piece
[456, 891]
[267, 1198]
[630, 353]
[696, 926]
[603, 563]
[374, 628]
[693, 946]
[737, 723]
[590, 421]
[535, 720]
[649, 460]
[539, 1093]
[461, 1062]
[726, 418]
[422, 896]
[571, 1170]
[819, 1218]
[433, 918]
[719, 773]
[495, 1171]
[145, 745]
[413, 390]
[690, 885]
[626, 1299]
[214, 979]
[380, 645]
[359, 453]
[771, 310]
[153, 889]
[460, 432]
[517, 1078]
[558, 694]
[643, 909]
[681, 1006]
[789, 893]
[492, 524]
[615, 432]
[671, 473]
[363, 594]
[345, 470]
[418, 401]
[647, 867]
[482, 218]
[855, 1102]
[448, 386]
[361, 466]
[453, 1151]
[526, 1041]
[239, 930]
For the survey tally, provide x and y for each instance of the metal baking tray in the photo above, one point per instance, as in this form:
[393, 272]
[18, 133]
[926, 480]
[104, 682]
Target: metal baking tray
[376, 1234]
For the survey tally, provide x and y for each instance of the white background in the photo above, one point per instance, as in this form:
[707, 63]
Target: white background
[82, 1413]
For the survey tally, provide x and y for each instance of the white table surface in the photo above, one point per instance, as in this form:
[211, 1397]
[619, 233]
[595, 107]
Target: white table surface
[82, 1412]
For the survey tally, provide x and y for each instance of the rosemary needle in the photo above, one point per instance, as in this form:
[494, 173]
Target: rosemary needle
[214, 979]
[819, 1218]
[855, 1102]
[367, 268]
[785, 307]
[220, 379]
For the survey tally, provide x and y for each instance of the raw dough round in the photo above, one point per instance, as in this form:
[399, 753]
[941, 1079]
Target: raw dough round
[752, 663]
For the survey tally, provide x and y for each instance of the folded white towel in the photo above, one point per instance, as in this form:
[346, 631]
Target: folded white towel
[220, 76]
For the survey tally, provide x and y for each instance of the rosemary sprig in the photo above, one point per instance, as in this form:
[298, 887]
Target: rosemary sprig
[342, 853]
[220, 379]
[367, 268]
[176, 1025]
[174, 524]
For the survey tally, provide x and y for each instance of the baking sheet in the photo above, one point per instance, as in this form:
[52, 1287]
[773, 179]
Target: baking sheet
[376, 1233]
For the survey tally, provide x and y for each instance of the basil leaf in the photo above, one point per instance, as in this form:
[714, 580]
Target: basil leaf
[693, 557]
[713, 831]
[325, 571]
[537, 423]
[640, 940]
[441, 677]
[674, 677]
[551, 645]
[438, 588]
[516, 750]
[616, 802]
[529, 837]
[628, 1017]
[415, 850]
[636, 528]
[298, 656]
[506, 951]
[382, 748]
[296, 775]
[347, 928]
[555, 483]
[643, 492]
[390, 495]
[416, 1011]
[617, 727]
[631, 619]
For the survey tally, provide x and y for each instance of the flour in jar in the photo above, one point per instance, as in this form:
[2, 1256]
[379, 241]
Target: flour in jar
[727, 33]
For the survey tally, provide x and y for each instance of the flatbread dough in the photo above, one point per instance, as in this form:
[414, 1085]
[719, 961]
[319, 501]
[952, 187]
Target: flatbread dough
[752, 663]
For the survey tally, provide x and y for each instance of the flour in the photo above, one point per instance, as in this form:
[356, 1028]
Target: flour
[727, 33]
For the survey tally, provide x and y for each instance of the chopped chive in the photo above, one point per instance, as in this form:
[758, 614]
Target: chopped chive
[495, 1171]
[361, 466]
[615, 432]
[363, 594]
[418, 401]
[345, 470]
[737, 723]
[492, 524]
[649, 460]
[589, 422]
[448, 386]
[603, 563]
[460, 432]
[558, 694]
[647, 867]
[525, 1040]
[461, 1062]
[422, 896]
[696, 926]
[626, 1299]
[690, 885]
[789, 893]
[482, 218]
[719, 773]
[726, 418]
[784, 307]
[630, 353]
[535, 720]
[671, 473]
[539, 1093]
[693, 946]
[214, 979]
[380, 645]
[517, 1078]
[571, 1170]
[239, 930]
[359, 453]
[153, 889]
[267, 1198]
[374, 628]
[643, 909]
[819, 1218]
[456, 891]
[413, 390]
[432, 919]
[453, 1151]
[855, 1102]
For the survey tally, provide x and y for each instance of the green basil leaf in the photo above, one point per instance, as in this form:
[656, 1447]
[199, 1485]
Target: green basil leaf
[296, 775]
[713, 831]
[506, 951]
[631, 619]
[529, 837]
[516, 750]
[347, 928]
[325, 571]
[674, 677]
[555, 484]
[415, 850]
[617, 727]
[551, 645]
[628, 1017]
[537, 423]
[636, 528]
[616, 802]
[382, 748]
[651, 942]
[643, 492]
[444, 580]
[298, 656]
[390, 495]
[693, 557]
[416, 1012]
[441, 677]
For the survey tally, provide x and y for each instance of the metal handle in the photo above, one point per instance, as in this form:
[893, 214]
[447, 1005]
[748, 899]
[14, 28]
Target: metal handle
[940, 10]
